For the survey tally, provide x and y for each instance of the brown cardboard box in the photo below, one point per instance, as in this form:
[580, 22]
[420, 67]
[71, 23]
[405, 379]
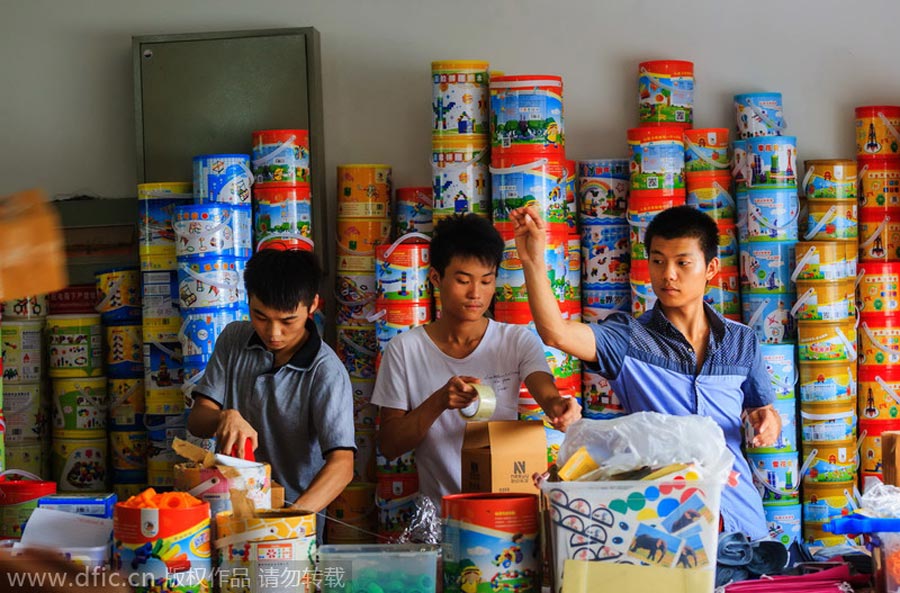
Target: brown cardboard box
[890, 456]
[501, 456]
[277, 495]
[32, 259]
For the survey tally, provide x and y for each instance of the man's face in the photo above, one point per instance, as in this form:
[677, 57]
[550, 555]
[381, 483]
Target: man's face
[678, 271]
[280, 331]
[467, 288]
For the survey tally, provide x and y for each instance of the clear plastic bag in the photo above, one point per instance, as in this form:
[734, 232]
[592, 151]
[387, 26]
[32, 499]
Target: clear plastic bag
[650, 439]
[425, 526]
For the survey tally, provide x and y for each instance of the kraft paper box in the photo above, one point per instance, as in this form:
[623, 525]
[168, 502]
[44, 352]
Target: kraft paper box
[890, 455]
[501, 455]
[277, 495]
[32, 257]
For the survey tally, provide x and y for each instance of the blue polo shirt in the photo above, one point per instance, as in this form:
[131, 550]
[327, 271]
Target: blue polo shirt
[651, 366]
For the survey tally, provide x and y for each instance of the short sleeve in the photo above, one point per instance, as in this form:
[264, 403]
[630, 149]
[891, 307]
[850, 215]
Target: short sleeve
[214, 383]
[331, 404]
[757, 387]
[612, 336]
[530, 352]
[391, 387]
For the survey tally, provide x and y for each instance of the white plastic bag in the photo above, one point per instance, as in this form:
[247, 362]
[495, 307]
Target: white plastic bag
[651, 439]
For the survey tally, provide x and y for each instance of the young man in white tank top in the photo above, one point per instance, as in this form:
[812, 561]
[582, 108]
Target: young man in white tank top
[426, 373]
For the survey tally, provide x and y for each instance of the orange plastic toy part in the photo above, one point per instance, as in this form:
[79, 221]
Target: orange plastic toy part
[151, 499]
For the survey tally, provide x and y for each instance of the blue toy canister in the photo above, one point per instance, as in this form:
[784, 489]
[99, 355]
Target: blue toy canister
[769, 315]
[781, 367]
[759, 114]
[223, 178]
[772, 162]
[201, 328]
[210, 282]
[766, 266]
[775, 475]
[784, 521]
[213, 229]
[605, 253]
[770, 214]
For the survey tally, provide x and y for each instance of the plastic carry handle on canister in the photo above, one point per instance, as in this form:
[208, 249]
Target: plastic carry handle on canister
[280, 156]
[222, 179]
[878, 131]
[759, 114]
[281, 211]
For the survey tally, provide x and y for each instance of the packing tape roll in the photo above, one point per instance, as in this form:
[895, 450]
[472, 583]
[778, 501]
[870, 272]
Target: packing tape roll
[482, 408]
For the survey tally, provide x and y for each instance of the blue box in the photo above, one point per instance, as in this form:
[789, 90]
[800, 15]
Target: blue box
[89, 505]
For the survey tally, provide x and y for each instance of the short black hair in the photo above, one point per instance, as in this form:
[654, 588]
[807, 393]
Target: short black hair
[283, 279]
[466, 236]
[682, 222]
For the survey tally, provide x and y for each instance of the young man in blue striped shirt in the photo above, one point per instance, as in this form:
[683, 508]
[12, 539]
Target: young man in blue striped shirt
[679, 358]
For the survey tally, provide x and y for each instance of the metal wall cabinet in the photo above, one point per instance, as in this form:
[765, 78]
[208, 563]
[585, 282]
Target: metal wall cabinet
[206, 93]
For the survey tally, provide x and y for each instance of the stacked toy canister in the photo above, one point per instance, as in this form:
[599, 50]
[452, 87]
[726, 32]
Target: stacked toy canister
[163, 360]
[24, 398]
[765, 184]
[79, 458]
[460, 145]
[657, 160]
[403, 301]
[364, 223]
[825, 311]
[213, 240]
[878, 162]
[120, 308]
[282, 200]
[605, 256]
[529, 168]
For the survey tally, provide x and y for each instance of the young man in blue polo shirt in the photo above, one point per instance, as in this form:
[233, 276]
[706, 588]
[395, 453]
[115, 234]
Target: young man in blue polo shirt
[679, 358]
[273, 381]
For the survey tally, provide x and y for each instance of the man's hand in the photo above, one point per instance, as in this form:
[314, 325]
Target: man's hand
[766, 425]
[530, 232]
[565, 411]
[457, 393]
[232, 431]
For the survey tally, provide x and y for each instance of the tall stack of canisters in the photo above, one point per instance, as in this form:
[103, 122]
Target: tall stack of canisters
[403, 301]
[656, 161]
[213, 240]
[765, 182]
[605, 254]
[707, 163]
[529, 167]
[460, 146]
[163, 360]
[878, 161]
[825, 311]
[120, 307]
[79, 457]
[24, 398]
[363, 223]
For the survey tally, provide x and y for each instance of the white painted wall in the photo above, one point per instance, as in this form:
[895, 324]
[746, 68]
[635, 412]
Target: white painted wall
[66, 120]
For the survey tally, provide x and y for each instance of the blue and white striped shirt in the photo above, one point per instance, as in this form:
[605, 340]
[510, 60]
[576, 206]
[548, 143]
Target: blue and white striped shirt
[651, 366]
